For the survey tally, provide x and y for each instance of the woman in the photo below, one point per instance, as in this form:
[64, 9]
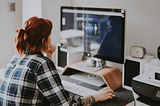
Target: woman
[32, 79]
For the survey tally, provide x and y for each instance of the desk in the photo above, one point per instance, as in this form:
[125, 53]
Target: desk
[122, 96]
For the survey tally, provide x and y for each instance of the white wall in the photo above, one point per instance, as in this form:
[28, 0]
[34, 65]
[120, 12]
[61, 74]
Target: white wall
[142, 21]
[31, 8]
[9, 21]
[51, 11]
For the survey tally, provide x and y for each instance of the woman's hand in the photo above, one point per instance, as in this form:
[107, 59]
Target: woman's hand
[50, 51]
[103, 94]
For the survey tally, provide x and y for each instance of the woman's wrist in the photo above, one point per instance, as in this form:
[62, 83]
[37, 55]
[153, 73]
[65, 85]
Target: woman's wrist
[95, 98]
[88, 101]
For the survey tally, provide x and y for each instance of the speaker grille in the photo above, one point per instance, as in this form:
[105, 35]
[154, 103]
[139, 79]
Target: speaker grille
[132, 69]
[62, 58]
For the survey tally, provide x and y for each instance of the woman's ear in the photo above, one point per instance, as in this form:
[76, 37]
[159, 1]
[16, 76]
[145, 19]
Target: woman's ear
[44, 46]
[43, 42]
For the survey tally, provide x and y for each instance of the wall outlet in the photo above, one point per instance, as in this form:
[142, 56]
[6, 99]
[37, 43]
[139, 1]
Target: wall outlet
[11, 7]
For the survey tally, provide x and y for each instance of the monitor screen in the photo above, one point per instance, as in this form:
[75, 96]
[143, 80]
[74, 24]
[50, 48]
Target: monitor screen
[96, 31]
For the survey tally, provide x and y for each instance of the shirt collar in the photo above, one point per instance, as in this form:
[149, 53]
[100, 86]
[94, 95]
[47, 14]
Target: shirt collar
[30, 53]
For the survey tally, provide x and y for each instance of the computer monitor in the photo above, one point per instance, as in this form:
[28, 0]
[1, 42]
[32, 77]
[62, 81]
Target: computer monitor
[99, 32]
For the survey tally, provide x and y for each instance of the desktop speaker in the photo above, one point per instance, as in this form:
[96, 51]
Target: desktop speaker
[158, 52]
[132, 68]
[65, 57]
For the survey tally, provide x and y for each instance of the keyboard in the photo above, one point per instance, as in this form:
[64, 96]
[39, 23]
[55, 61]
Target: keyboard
[77, 89]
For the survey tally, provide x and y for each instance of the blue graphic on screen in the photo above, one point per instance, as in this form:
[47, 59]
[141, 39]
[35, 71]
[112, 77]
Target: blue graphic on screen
[102, 30]
[111, 42]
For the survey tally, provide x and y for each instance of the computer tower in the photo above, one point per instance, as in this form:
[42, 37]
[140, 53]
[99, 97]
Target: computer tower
[132, 68]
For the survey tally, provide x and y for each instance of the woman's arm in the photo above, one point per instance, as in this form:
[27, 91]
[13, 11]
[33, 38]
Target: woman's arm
[49, 84]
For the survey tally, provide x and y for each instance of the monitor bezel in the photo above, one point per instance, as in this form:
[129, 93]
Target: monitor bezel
[122, 11]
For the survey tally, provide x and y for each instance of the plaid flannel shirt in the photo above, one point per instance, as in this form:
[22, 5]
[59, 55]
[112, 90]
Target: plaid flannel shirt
[33, 80]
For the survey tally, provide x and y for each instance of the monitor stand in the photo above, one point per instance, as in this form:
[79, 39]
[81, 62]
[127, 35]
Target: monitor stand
[84, 68]
[92, 79]
[86, 75]
[110, 75]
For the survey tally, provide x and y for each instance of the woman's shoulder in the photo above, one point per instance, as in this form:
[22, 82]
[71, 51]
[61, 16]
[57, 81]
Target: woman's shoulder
[41, 58]
[44, 63]
[14, 59]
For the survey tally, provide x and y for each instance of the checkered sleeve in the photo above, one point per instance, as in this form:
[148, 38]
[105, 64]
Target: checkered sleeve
[49, 83]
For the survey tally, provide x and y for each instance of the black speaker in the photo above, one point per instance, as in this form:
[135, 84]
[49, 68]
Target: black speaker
[62, 57]
[132, 68]
[65, 57]
[158, 52]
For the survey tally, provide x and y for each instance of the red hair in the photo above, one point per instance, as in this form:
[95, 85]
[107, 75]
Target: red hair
[31, 37]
